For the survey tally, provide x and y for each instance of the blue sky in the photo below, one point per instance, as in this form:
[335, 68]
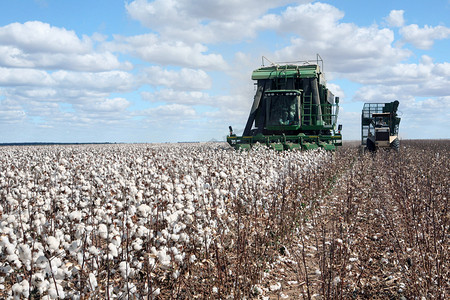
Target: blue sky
[179, 70]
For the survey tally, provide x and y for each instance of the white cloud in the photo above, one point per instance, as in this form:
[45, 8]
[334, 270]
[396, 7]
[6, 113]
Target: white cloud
[105, 105]
[336, 90]
[21, 77]
[424, 79]
[39, 45]
[423, 38]
[184, 79]
[395, 18]
[179, 97]
[351, 124]
[111, 81]
[150, 48]
[202, 21]
[38, 37]
[175, 112]
[10, 112]
[345, 47]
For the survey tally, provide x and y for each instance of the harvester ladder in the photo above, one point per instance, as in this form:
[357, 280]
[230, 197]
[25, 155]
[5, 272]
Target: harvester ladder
[307, 110]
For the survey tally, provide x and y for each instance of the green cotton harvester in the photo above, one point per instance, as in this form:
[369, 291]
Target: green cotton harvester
[292, 109]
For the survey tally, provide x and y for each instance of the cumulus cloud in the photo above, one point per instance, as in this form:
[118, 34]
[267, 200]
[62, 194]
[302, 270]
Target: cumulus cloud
[36, 44]
[150, 48]
[202, 21]
[346, 47]
[21, 77]
[38, 37]
[423, 38]
[179, 97]
[104, 105]
[111, 81]
[174, 112]
[10, 112]
[395, 18]
[183, 79]
[228, 103]
[423, 79]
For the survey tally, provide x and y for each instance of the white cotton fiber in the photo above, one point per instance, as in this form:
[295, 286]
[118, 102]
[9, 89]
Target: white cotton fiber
[103, 231]
[53, 243]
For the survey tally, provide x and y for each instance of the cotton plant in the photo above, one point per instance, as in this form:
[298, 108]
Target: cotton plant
[80, 220]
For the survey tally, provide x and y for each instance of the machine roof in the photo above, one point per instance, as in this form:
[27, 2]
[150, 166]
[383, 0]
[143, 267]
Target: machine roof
[294, 71]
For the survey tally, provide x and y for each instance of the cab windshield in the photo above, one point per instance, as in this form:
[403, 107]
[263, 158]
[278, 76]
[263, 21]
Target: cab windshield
[282, 108]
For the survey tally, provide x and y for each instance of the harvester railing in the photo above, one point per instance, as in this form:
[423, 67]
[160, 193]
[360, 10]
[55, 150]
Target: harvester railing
[317, 60]
[309, 115]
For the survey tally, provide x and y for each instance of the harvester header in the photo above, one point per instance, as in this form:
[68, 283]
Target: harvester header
[292, 109]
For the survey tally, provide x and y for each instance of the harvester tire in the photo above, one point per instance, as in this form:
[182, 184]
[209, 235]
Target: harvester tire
[370, 145]
[395, 145]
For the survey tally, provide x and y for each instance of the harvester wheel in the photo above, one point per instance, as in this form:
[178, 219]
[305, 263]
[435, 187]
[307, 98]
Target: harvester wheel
[370, 145]
[395, 145]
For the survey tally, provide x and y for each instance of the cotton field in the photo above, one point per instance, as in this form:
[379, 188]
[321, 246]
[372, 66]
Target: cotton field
[133, 220]
[204, 221]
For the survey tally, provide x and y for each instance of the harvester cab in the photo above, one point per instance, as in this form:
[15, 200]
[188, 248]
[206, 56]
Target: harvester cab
[379, 126]
[292, 109]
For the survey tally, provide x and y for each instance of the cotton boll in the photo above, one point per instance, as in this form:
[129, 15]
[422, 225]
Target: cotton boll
[38, 280]
[88, 229]
[103, 231]
[178, 227]
[184, 237]
[137, 244]
[24, 252]
[75, 216]
[141, 231]
[144, 210]
[124, 269]
[92, 282]
[151, 262]
[21, 289]
[113, 250]
[192, 258]
[179, 189]
[156, 292]
[94, 251]
[179, 257]
[56, 262]
[53, 243]
[53, 294]
[9, 247]
[79, 232]
[116, 240]
[275, 287]
[175, 237]
[189, 219]
[14, 259]
[163, 258]
[11, 201]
